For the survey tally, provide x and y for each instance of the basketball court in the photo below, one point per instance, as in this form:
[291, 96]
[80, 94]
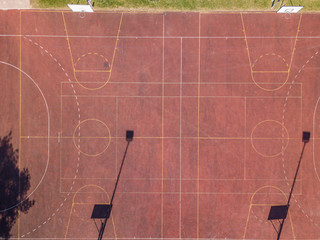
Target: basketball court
[217, 102]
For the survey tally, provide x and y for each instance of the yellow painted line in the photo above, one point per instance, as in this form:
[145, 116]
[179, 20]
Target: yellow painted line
[67, 36]
[248, 138]
[116, 44]
[146, 137]
[251, 66]
[65, 236]
[291, 223]
[295, 42]
[93, 71]
[246, 227]
[285, 71]
[268, 54]
[74, 203]
[60, 134]
[267, 204]
[91, 53]
[76, 137]
[245, 38]
[273, 122]
[111, 65]
[67, 137]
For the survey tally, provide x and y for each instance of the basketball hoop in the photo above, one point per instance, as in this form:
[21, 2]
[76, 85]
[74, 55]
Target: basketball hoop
[289, 9]
[80, 8]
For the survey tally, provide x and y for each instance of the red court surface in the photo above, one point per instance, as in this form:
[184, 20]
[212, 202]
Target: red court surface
[217, 101]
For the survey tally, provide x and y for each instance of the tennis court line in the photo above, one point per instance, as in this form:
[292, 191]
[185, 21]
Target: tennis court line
[198, 142]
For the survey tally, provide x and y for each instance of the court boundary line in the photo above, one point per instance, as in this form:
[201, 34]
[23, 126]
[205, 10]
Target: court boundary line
[198, 141]
[180, 98]
[245, 142]
[160, 37]
[20, 120]
[185, 179]
[117, 125]
[177, 96]
[177, 137]
[190, 83]
[180, 141]
[162, 130]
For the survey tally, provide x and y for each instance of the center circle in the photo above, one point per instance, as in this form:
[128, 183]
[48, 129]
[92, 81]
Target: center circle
[91, 137]
[269, 138]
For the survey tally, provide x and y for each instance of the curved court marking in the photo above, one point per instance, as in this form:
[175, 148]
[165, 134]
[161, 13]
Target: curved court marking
[283, 112]
[78, 162]
[313, 143]
[282, 127]
[90, 53]
[90, 220]
[268, 54]
[249, 57]
[113, 56]
[270, 89]
[80, 217]
[257, 218]
[45, 101]
[253, 213]
[252, 204]
[90, 185]
[78, 127]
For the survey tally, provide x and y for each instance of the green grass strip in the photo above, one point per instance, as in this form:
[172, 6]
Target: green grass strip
[181, 5]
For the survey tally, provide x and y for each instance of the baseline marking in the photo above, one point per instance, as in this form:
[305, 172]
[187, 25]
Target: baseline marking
[180, 142]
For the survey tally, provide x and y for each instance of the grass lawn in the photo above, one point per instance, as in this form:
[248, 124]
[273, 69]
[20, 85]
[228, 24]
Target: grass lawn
[195, 5]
